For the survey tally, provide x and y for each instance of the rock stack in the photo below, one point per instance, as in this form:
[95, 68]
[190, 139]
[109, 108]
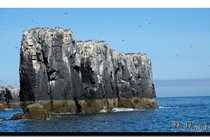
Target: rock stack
[65, 75]
[9, 97]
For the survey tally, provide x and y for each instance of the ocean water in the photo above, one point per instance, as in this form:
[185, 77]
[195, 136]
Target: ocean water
[175, 114]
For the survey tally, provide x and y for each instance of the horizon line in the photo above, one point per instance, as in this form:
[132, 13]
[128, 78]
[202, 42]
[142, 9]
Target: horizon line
[199, 78]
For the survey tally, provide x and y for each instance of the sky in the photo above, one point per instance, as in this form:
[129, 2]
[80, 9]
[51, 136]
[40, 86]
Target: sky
[176, 40]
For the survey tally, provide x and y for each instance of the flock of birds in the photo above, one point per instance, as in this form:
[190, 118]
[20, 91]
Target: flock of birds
[123, 40]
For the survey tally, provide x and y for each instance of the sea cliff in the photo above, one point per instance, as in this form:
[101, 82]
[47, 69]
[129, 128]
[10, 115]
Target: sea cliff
[60, 74]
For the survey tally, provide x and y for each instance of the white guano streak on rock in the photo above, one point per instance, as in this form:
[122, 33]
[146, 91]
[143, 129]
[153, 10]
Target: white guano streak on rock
[64, 56]
[32, 50]
[52, 83]
[109, 60]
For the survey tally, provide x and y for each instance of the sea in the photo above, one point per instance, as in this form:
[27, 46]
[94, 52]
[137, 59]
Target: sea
[175, 114]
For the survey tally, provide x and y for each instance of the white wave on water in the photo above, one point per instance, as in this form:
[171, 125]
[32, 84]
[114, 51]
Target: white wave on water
[8, 109]
[5, 119]
[67, 113]
[121, 109]
[59, 115]
[167, 107]
[104, 110]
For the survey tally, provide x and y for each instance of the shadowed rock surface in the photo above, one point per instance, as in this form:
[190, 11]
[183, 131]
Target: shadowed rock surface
[64, 75]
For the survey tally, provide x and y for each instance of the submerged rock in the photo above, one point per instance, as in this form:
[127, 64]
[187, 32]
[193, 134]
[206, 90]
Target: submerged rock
[69, 76]
[18, 116]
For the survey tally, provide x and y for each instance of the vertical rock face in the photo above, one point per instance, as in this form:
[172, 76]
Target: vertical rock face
[64, 74]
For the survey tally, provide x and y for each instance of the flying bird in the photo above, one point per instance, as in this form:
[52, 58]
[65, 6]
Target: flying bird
[65, 13]
[149, 23]
[34, 21]
[123, 40]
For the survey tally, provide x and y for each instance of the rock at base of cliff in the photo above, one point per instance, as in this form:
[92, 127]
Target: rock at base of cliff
[36, 111]
[42, 110]
[12, 105]
[137, 103]
[96, 105]
[18, 116]
[1, 107]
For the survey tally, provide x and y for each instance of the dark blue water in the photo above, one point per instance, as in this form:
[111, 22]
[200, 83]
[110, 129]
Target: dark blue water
[195, 110]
